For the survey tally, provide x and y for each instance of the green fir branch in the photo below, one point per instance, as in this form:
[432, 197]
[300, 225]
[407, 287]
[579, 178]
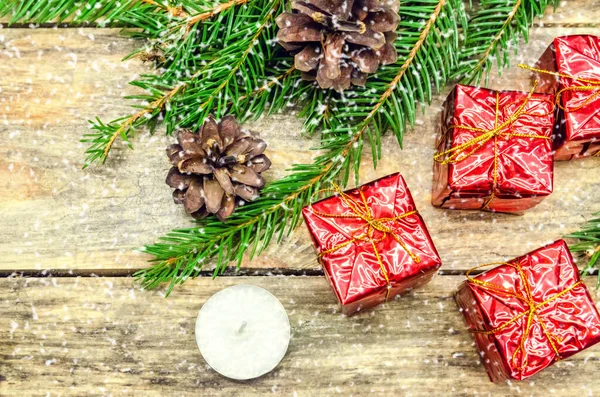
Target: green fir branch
[103, 136]
[389, 99]
[190, 40]
[495, 30]
[587, 245]
[316, 111]
[236, 68]
[235, 72]
[281, 88]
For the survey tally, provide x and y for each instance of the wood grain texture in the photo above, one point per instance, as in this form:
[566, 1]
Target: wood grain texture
[93, 337]
[62, 217]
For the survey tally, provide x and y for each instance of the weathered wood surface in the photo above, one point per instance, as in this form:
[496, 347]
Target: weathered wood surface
[92, 337]
[59, 216]
[103, 336]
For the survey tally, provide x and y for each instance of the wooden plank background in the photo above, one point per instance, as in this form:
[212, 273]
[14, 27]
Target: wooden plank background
[78, 334]
[90, 337]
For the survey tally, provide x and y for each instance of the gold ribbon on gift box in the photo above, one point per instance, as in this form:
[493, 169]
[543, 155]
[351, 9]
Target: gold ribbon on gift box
[361, 210]
[465, 150]
[531, 313]
[593, 86]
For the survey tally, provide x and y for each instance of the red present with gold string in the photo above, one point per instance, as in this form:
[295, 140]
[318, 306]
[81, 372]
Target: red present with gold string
[570, 69]
[494, 152]
[372, 243]
[528, 313]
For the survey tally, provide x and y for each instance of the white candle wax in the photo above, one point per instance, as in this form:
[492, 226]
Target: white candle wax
[243, 332]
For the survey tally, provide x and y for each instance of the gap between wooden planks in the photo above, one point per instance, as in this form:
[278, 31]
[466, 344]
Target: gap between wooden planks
[89, 337]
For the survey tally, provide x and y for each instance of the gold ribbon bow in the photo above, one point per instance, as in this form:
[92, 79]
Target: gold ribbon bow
[593, 86]
[459, 153]
[361, 210]
[531, 313]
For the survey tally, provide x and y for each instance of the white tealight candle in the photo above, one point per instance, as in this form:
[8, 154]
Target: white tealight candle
[243, 332]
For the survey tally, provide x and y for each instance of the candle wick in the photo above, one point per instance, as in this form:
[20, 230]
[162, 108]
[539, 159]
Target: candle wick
[244, 323]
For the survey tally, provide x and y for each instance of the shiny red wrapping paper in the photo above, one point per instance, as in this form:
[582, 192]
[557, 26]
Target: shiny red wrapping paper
[579, 129]
[571, 319]
[353, 270]
[525, 166]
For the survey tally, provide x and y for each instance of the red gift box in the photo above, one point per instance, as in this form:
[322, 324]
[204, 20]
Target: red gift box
[570, 68]
[372, 243]
[494, 152]
[530, 312]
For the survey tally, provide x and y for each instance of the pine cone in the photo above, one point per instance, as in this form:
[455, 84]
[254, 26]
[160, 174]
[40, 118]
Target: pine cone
[216, 168]
[339, 41]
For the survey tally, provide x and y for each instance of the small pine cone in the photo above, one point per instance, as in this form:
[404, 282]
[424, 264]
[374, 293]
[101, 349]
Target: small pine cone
[217, 168]
[338, 42]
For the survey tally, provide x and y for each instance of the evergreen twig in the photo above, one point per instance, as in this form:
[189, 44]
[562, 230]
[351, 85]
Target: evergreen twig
[103, 140]
[176, 11]
[203, 16]
[231, 72]
[174, 30]
[493, 31]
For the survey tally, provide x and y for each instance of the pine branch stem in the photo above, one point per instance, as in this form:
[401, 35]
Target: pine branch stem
[191, 21]
[498, 36]
[409, 59]
[270, 84]
[283, 204]
[243, 56]
[174, 11]
[124, 126]
[157, 104]
[154, 3]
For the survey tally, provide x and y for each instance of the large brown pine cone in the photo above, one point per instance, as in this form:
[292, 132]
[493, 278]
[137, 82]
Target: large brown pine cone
[217, 168]
[340, 41]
